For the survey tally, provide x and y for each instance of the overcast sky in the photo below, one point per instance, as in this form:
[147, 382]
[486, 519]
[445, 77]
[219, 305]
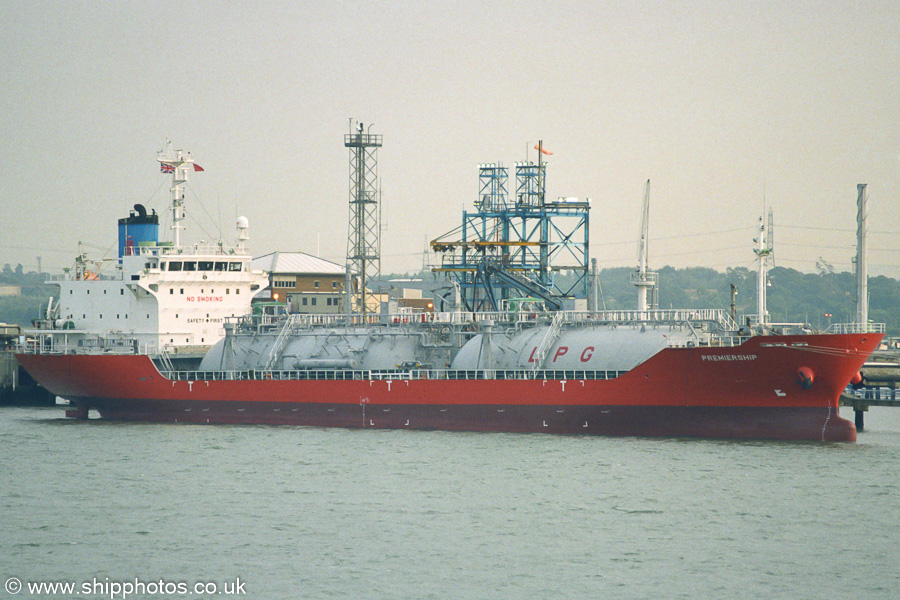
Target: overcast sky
[725, 106]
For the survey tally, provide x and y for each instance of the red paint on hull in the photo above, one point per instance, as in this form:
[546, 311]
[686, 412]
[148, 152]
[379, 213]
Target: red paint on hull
[747, 391]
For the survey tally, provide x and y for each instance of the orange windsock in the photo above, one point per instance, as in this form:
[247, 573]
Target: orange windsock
[543, 150]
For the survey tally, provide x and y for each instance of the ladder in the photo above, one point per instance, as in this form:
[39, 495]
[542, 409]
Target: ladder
[165, 361]
[550, 338]
[280, 342]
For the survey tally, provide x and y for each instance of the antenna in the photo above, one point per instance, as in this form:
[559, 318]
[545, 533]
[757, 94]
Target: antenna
[541, 191]
[426, 256]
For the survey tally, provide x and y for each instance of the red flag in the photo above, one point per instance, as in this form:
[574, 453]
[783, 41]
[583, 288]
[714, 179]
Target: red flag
[543, 150]
[197, 167]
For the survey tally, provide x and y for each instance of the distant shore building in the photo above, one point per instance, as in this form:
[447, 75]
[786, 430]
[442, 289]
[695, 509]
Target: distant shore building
[305, 283]
[409, 296]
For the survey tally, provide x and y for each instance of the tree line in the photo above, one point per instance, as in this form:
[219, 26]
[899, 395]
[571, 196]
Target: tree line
[818, 299]
[34, 294]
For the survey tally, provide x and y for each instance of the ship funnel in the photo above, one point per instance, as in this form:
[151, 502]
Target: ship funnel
[137, 229]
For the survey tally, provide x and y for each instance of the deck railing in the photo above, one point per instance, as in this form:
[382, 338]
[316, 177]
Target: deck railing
[57, 343]
[720, 318]
[389, 375]
[707, 327]
[856, 328]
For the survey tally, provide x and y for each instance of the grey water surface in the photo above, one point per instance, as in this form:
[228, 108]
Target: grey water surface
[293, 512]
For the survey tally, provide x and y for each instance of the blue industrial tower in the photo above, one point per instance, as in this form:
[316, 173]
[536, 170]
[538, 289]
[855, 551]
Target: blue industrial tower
[520, 246]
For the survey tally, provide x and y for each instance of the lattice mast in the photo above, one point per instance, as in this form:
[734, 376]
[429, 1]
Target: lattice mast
[364, 239]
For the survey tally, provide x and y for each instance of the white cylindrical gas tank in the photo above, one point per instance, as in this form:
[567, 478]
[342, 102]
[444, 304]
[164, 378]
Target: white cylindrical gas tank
[318, 349]
[581, 349]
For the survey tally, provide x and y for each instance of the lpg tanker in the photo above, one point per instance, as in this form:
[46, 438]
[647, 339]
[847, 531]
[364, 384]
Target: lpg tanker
[481, 361]
[662, 373]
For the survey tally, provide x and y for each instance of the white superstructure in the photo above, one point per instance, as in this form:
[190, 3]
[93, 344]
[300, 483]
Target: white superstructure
[158, 295]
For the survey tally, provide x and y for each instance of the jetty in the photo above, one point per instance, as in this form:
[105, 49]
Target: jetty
[16, 385]
[877, 388]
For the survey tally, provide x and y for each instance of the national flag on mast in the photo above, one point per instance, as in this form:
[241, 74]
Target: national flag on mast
[167, 168]
[542, 150]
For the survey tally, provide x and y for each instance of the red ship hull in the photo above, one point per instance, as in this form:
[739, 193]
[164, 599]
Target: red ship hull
[770, 387]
